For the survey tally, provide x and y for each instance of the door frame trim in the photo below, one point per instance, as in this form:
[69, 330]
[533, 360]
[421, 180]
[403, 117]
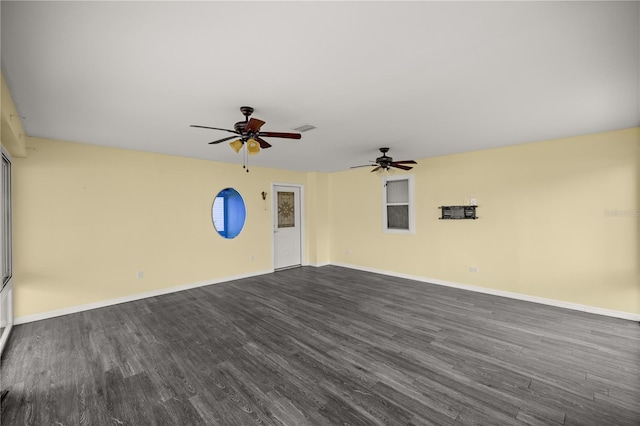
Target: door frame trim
[6, 292]
[303, 257]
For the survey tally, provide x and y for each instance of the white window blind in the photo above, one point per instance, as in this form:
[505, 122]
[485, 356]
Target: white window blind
[398, 191]
[218, 214]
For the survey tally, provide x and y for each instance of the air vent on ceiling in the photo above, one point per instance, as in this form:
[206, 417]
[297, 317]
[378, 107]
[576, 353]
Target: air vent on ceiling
[304, 128]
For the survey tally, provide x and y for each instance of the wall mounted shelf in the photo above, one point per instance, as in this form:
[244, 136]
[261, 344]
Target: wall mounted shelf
[458, 212]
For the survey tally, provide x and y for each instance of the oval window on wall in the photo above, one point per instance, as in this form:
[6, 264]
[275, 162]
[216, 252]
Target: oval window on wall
[228, 213]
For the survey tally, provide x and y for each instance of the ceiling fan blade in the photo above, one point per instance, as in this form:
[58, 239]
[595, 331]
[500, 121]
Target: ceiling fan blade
[405, 162]
[222, 140]
[281, 135]
[363, 165]
[215, 128]
[263, 144]
[376, 169]
[400, 166]
[253, 125]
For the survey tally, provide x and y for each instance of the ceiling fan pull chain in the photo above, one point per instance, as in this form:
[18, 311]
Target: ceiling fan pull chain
[246, 157]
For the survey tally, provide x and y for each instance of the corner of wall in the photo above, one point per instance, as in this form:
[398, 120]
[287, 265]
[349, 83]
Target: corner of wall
[555, 221]
[638, 209]
[317, 199]
[12, 134]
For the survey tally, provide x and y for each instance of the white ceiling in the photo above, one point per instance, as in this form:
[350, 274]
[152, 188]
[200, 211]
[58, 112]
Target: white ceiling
[424, 78]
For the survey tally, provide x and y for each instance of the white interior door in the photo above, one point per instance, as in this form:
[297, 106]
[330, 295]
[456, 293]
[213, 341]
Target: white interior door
[287, 227]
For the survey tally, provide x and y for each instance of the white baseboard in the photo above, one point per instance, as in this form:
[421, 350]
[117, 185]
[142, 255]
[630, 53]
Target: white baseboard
[511, 295]
[517, 296]
[131, 298]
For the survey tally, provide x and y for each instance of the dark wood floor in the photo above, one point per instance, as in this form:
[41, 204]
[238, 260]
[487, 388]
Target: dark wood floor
[324, 346]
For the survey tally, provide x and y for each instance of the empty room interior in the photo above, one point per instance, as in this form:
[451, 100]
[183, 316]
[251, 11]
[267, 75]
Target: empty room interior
[320, 213]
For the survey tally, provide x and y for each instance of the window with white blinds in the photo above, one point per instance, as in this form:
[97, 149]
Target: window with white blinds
[398, 204]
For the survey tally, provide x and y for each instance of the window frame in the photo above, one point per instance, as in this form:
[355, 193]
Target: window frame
[6, 255]
[410, 203]
[232, 204]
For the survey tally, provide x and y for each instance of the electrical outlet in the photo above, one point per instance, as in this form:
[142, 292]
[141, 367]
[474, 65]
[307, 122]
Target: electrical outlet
[140, 275]
[473, 269]
[251, 258]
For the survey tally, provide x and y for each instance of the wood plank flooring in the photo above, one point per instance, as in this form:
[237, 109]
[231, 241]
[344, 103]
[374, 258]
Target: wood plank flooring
[324, 346]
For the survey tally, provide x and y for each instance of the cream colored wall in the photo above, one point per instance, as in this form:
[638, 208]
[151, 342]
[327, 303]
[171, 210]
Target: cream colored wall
[317, 215]
[87, 219]
[550, 220]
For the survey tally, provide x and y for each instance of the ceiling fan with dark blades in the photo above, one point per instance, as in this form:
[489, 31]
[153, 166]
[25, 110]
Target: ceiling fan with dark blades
[384, 162]
[248, 132]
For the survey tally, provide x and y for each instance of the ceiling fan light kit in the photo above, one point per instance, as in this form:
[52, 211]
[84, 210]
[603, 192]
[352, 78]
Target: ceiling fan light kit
[253, 147]
[236, 145]
[249, 134]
